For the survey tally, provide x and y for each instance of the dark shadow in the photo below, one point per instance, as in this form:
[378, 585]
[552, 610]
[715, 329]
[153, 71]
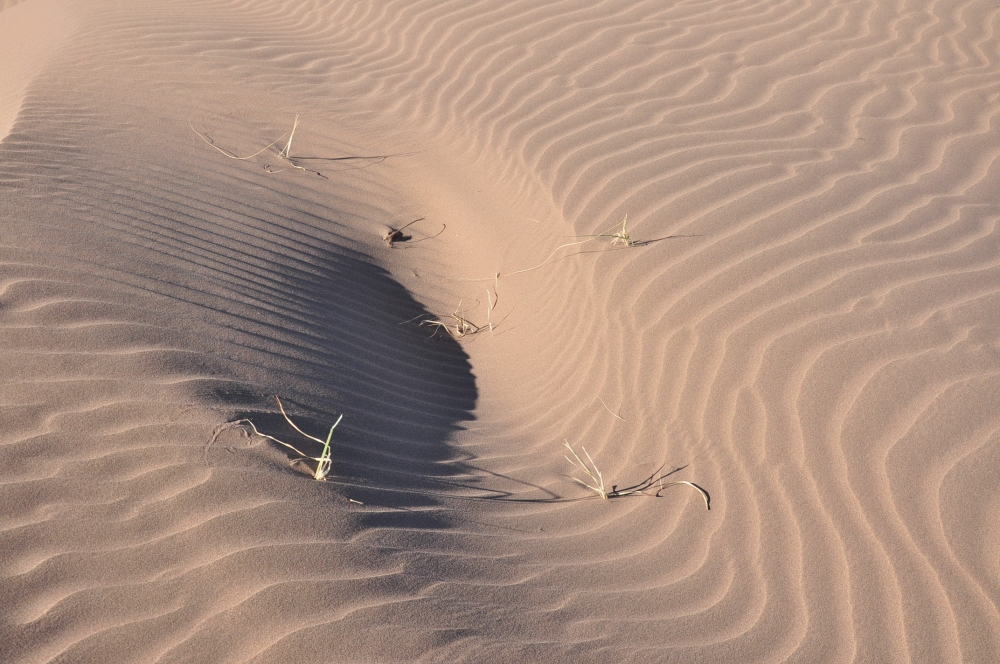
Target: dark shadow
[339, 348]
[243, 291]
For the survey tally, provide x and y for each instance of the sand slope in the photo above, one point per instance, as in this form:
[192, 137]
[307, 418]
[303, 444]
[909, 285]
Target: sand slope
[808, 327]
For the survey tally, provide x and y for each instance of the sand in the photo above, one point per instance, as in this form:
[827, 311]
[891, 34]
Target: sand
[806, 324]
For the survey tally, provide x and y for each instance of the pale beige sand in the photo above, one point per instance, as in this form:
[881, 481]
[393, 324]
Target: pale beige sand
[811, 328]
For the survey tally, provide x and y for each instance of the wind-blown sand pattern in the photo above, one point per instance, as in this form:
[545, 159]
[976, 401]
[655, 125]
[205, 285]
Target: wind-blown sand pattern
[808, 327]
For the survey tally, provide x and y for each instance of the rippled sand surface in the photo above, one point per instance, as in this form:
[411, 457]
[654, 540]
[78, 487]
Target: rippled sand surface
[804, 321]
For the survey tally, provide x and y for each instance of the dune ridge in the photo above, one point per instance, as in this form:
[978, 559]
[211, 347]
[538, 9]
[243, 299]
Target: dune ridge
[807, 327]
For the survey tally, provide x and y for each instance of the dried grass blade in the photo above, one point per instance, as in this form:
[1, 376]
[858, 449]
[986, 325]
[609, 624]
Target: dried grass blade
[704, 494]
[229, 154]
[287, 152]
[292, 424]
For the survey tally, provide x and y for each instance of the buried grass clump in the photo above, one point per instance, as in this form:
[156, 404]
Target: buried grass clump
[650, 486]
[323, 461]
[457, 325]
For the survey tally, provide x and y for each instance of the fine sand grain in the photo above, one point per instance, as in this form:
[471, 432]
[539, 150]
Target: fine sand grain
[804, 322]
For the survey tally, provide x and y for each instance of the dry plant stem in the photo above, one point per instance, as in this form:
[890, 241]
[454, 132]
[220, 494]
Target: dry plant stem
[621, 237]
[645, 487]
[323, 462]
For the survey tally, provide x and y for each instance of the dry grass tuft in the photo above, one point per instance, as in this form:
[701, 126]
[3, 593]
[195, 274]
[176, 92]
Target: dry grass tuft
[456, 324]
[621, 237]
[651, 486]
[596, 483]
[493, 301]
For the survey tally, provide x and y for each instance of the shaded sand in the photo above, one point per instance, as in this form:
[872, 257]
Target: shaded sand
[809, 325]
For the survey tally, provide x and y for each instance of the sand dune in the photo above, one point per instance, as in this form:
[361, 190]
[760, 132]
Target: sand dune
[807, 326]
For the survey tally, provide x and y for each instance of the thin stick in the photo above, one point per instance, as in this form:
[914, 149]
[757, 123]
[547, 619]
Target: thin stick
[292, 424]
[396, 234]
[411, 223]
[704, 494]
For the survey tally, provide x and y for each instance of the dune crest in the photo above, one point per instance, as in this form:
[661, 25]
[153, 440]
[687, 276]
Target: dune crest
[24, 52]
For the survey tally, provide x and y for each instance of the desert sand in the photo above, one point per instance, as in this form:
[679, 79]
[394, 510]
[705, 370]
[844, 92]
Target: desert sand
[801, 316]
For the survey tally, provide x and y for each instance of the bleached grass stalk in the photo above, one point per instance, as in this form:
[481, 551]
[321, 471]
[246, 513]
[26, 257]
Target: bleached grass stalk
[286, 153]
[645, 487]
[493, 301]
[229, 154]
[613, 413]
[622, 237]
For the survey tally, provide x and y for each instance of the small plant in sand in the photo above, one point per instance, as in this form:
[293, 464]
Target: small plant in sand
[458, 326]
[285, 153]
[621, 237]
[323, 461]
[650, 486]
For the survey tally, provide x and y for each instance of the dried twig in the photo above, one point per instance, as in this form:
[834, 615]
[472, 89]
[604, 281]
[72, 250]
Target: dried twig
[396, 234]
